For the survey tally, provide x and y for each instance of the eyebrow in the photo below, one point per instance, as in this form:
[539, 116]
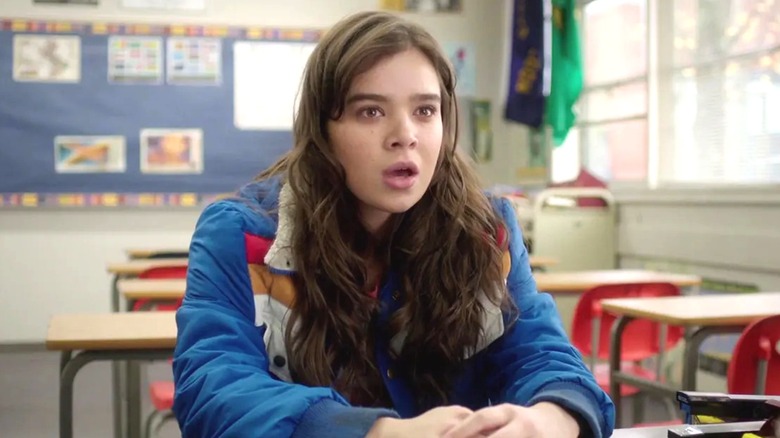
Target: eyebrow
[419, 97]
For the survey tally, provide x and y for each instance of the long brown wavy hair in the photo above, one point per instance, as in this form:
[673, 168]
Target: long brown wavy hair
[444, 249]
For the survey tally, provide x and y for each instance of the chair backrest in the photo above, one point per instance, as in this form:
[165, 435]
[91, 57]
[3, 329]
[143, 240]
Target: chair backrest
[758, 343]
[641, 338]
[164, 272]
[159, 273]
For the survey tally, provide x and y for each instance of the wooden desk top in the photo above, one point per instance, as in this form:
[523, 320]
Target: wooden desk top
[112, 331]
[542, 261]
[580, 281]
[135, 267]
[151, 289]
[145, 253]
[706, 310]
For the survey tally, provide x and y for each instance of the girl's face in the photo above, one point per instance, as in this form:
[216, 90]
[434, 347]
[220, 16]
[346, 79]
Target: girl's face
[389, 136]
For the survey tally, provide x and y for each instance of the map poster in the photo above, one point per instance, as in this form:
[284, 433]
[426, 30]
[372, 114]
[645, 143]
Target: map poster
[172, 151]
[194, 61]
[89, 154]
[135, 60]
[47, 58]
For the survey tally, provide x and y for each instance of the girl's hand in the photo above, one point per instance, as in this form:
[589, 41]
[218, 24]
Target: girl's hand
[539, 421]
[434, 423]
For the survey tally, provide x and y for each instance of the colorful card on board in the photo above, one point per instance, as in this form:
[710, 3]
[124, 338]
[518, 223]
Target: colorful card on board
[194, 61]
[422, 5]
[172, 151]
[89, 154]
[135, 60]
[47, 58]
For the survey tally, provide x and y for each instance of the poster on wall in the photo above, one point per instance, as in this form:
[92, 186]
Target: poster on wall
[463, 60]
[481, 131]
[134, 60]
[176, 151]
[422, 5]
[186, 5]
[47, 58]
[538, 162]
[194, 61]
[89, 154]
[67, 2]
[267, 77]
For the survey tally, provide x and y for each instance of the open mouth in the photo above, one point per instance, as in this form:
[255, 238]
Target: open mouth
[403, 172]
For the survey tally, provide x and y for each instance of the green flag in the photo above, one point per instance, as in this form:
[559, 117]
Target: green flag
[566, 75]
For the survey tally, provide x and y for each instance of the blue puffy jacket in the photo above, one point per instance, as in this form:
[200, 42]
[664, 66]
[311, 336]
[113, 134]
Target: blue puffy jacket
[229, 365]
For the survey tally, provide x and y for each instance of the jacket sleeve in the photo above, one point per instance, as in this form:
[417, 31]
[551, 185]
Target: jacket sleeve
[534, 361]
[220, 367]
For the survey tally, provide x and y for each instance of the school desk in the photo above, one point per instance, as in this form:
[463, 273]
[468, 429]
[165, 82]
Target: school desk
[537, 262]
[576, 282]
[702, 315]
[156, 253]
[567, 286]
[152, 290]
[131, 337]
[133, 268]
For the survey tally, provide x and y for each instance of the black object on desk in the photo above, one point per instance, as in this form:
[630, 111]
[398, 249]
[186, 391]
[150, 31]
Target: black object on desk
[740, 414]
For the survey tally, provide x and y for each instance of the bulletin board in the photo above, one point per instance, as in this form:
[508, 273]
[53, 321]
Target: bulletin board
[114, 114]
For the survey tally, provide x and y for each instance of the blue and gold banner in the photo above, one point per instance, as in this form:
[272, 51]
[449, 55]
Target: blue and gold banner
[529, 78]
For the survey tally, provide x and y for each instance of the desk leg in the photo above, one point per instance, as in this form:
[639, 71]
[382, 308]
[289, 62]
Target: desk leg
[694, 337]
[117, 392]
[133, 389]
[615, 352]
[69, 368]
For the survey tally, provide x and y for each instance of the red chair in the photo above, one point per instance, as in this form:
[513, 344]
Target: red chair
[160, 273]
[756, 357]
[160, 392]
[591, 330]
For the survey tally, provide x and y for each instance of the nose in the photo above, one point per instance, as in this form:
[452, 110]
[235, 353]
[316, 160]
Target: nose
[403, 133]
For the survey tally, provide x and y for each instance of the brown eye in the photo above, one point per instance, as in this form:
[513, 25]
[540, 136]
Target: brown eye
[427, 111]
[371, 112]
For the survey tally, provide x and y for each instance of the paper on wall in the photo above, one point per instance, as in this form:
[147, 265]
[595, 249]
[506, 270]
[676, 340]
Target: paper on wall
[267, 77]
[47, 58]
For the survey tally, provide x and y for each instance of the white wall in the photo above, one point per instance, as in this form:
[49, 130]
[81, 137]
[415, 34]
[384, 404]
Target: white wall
[54, 260]
[731, 236]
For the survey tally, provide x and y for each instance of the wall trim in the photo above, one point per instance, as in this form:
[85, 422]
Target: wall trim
[22, 347]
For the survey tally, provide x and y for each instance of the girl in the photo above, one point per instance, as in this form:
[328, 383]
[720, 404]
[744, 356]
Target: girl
[364, 285]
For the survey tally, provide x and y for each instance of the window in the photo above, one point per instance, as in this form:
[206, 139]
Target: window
[613, 118]
[714, 75]
[725, 92]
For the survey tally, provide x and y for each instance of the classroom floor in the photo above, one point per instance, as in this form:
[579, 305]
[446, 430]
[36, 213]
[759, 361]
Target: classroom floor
[29, 400]
[29, 397]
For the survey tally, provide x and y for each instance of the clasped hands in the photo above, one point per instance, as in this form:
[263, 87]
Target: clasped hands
[541, 420]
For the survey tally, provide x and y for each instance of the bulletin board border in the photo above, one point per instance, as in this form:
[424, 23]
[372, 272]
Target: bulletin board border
[188, 30]
[252, 33]
[31, 200]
